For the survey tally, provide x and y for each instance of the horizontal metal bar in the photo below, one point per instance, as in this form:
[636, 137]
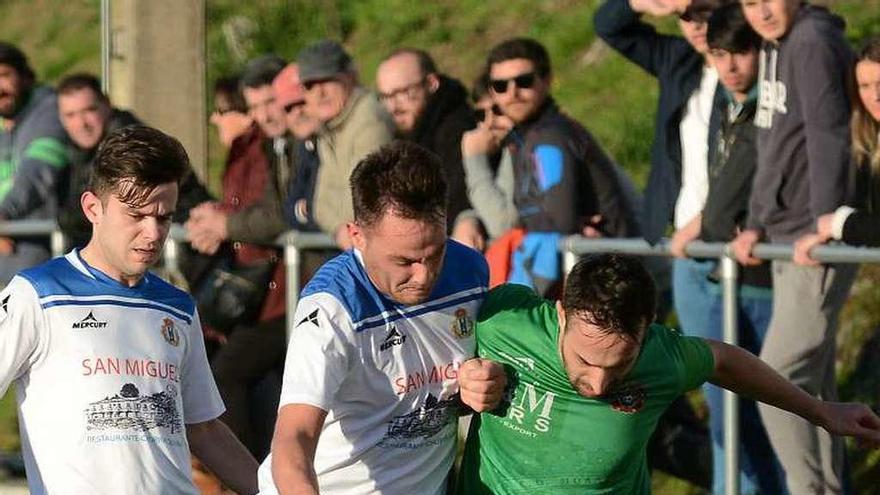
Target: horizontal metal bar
[16, 228]
[829, 253]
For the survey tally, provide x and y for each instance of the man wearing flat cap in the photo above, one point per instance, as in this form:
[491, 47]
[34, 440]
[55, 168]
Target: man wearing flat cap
[353, 124]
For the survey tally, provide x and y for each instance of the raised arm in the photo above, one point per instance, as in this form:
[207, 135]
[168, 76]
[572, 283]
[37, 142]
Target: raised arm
[739, 371]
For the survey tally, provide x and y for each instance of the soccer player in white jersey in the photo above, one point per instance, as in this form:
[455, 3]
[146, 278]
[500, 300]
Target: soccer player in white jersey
[379, 360]
[108, 361]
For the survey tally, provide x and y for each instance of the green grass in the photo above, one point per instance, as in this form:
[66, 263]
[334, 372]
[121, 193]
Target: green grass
[8, 424]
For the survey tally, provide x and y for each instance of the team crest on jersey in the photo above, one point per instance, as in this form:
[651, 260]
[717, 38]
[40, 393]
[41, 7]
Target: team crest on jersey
[628, 399]
[170, 332]
[463, 326]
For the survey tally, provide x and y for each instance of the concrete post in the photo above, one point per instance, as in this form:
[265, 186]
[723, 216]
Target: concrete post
[157, 68]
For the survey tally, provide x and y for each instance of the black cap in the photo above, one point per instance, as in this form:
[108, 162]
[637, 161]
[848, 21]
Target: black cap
[323, 60]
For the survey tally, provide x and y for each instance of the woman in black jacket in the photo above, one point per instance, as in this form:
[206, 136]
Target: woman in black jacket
[861, 226]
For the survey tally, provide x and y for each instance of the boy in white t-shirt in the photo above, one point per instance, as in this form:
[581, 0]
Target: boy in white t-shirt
[112, 382]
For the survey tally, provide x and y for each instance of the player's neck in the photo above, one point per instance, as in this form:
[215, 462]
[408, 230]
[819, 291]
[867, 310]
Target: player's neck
[94, 256]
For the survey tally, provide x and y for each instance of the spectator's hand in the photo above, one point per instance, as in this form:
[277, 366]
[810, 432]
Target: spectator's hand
[823, 225]
[743, 245]
[803, 246]
[202, 209]
[683, 236]
[591, 229]
[658, 8]
[479, 141]
[482, 383]
[206, 243]
[468, 231]
[7, 246]
[343, 240]
[851, 419]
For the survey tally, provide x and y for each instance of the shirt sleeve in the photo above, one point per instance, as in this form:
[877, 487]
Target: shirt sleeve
[36, 177]
[318, 353]
[692, 358]
[21, 324]
[201, 400]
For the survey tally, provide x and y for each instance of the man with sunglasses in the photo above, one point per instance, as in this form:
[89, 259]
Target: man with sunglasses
[563, 179]
[429, 109]
[353, 124]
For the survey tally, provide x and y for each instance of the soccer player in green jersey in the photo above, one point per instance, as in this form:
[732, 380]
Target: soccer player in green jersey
[590, 376]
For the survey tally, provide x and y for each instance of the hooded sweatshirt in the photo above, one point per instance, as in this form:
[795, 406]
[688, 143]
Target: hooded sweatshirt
[804, 163]
[446, 118]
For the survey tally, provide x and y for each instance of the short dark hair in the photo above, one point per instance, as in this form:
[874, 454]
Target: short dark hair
[80, 81]
[612, 291]
[426, 63]
[480, 88]
[228, 87]
[12, 56]
[134, 160]
[400, 176]
[261, 71]
[729, 30]
[526, 48]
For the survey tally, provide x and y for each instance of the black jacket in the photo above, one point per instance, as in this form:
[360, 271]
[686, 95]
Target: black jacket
[862, 227]
[71, 219]
[678, 69]
[447, 116]
[731, 169]
[562, 177]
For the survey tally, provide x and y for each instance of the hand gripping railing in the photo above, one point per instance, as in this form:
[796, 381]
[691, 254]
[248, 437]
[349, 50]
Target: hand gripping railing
[574, 246]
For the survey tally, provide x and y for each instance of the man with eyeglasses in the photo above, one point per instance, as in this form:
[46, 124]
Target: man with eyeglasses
[564, 181]
[353, 124]
[430, 109]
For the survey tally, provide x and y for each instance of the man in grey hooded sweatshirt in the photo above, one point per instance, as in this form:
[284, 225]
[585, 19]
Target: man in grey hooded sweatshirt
[803, 172]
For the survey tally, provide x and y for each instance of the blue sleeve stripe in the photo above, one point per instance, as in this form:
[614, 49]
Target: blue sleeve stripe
[110, 302]
[359, 327]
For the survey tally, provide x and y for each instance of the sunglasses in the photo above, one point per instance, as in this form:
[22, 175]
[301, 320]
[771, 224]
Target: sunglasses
[522, 81]
[290, 106]
[695, 15]
[480, 113]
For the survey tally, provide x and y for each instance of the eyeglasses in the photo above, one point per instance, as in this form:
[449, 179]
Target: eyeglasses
[522, 81]
[698, 16]
[290, 106]
[410, 92]
[224, 110]
[480, 113]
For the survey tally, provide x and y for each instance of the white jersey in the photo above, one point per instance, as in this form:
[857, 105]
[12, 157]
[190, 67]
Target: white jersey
[385, 373]
[106, 377]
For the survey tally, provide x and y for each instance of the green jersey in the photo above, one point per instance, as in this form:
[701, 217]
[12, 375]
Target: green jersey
[545, 438]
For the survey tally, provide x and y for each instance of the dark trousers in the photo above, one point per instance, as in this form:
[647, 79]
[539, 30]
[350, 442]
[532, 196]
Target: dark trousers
[247, 370]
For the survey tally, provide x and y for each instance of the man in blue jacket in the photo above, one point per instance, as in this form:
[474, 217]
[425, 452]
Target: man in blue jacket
[33, 158]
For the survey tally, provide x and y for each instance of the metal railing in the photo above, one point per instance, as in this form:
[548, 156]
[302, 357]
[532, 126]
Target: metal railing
[294, 243]
[574, 246]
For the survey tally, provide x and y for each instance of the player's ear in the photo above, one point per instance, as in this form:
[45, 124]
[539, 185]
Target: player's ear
[356, 234]
[560, 314]
[92, 207]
